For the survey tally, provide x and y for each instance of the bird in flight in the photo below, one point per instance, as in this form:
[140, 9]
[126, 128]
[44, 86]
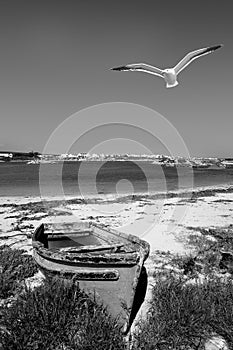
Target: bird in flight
[169, 74]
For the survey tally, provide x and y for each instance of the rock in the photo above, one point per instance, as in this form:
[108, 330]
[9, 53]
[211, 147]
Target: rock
[189, 266]
[226, 261]
[216, 343]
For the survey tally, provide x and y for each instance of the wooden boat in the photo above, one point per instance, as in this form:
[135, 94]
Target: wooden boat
[106, 264]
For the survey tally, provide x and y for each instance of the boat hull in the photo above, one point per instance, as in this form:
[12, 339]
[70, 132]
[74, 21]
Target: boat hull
[117, 280]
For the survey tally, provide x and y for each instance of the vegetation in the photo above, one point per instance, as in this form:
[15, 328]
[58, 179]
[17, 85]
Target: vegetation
[57, 315]
[182, 315]
[192, 301]
[15, 266]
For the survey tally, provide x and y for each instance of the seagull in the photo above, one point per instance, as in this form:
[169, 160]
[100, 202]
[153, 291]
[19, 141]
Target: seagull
[169, 74]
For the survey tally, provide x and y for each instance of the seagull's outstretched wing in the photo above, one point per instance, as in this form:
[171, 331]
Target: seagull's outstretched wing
[141, 67]
[191, 56]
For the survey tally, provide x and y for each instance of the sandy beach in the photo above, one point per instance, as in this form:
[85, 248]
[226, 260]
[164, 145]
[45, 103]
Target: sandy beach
[163, 220]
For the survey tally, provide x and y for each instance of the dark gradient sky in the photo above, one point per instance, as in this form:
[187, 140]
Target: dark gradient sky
[56, 55]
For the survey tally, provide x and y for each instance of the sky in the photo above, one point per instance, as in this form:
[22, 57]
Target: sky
[55, 61]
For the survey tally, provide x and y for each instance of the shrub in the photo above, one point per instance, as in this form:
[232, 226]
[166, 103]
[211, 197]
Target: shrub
[182, 316]
[57, 315]
[15, 266]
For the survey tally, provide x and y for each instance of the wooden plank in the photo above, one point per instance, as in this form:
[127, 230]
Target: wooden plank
[90, 248]
[67, 227]
[57, 235]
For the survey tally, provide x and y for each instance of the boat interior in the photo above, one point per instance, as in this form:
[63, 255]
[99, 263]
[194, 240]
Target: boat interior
[82, 238]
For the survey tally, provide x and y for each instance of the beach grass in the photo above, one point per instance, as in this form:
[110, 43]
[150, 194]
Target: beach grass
[15, 267]
[57, 315]
[183, 315]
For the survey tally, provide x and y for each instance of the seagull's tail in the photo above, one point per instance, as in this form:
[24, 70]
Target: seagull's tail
[171, 85]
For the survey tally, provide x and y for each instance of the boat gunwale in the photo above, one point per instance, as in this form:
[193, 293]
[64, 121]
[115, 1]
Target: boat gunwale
[118, 258]
[95, 274]
[134, 239]
[83, 259]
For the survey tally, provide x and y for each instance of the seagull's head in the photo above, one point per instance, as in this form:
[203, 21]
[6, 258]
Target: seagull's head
[169, 70]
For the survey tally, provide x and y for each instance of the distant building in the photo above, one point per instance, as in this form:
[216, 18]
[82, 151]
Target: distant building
[227, 163]
[6, 157]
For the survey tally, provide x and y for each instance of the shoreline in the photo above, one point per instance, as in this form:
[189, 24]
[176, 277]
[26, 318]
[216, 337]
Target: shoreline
[115, 197]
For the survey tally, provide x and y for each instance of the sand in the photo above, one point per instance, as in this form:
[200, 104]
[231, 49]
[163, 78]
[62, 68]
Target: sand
[163, 222]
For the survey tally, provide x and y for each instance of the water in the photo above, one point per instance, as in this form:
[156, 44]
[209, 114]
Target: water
[94, 178]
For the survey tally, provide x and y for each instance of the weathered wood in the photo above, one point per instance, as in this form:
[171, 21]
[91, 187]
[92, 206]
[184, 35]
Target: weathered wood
[67, 227]
[68, 235]
[89, 258]
[91, 248]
